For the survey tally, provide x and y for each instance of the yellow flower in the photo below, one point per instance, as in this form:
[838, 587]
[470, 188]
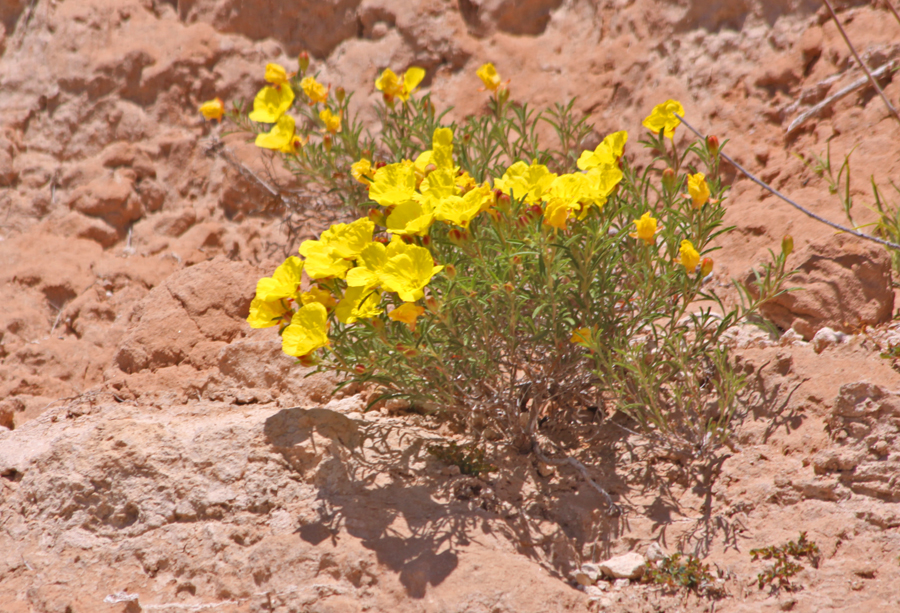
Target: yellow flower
[407, 274]
[266, 314]
[315, 91]
[358, 303]
[582, 336]
[603, 181]
[607, 153]
[307, 331]
[271, 103]
[273, 294]
[465, 182]
[332, 122]
[689, 258]
[389, 83]
[698, 189]
[411, 79]
[522, 181]
[462, 210]
[281, 137]
[488, 75]
[438, 185]
[347, 240]
[410, 218]
[213, 109]
[440, 155]
[565, 194]
[317, 294]
[394, 184]
[284, 283]
[407, 313]
[362, 171]
[372, 259]
[331, 255]
[276, 74]
[663, 118]
[645, 229]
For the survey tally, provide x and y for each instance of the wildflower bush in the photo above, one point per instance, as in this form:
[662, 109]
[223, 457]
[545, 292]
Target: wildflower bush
[499, 281]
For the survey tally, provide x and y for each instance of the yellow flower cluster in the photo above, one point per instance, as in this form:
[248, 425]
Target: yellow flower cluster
[270, 106]
[572, 194]
[368, 267]
[350, 270]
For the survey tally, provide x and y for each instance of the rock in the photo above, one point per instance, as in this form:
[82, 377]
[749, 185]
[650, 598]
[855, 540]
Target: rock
[190, 316]
[109, 198]
[844, 283]
[626, 566]
[595, 591]
[81, 226]
[655, 552]
[826, 337]
[587, 575]
[515, 17]
[790, 337]
[313, 25]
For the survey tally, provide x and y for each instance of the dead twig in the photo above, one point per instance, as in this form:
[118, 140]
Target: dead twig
[797, 206]
[814, 111]
[861, 63]
[890, 5]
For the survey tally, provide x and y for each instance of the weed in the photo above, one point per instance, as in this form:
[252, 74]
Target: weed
[784, 566]
[684, 572]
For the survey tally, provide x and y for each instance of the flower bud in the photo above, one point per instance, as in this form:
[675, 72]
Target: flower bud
[450, 269]
[326, 142]
[508, 287]
[303, 61]
[457, 236]
[376, 216]
[426, 240]
[503, 200]
[340, 93]
[668, 179]
[712, 143]
[787, 245]
[432, 304]
[360, 369]
[308, 360]
[502, 95]
[706, 267]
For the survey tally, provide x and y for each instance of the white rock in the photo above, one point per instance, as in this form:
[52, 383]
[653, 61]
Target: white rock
[655, 552]
[627, 566]
[790, 337]
[823, 338]
[587, 574]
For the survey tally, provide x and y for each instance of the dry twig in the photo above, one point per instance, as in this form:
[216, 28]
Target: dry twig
[797, 206]
[814, 111]
[861, 63]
